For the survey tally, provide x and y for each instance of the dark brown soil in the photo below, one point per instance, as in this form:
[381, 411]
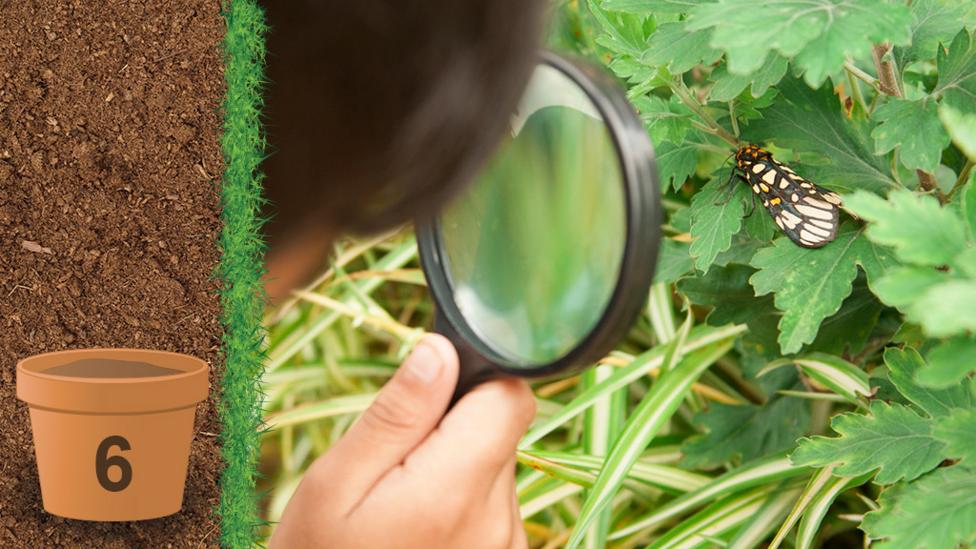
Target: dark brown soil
[109, 160]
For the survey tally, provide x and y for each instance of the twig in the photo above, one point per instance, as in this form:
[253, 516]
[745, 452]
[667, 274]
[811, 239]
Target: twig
[887, 72]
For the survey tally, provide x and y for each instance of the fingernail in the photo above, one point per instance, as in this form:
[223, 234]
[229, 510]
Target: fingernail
[424, 363]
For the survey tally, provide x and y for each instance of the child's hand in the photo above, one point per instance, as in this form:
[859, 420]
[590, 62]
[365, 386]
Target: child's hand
[404, 477]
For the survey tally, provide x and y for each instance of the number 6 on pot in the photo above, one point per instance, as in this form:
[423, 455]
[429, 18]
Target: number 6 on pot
[103, 462]
[543, 264]
[112, 429]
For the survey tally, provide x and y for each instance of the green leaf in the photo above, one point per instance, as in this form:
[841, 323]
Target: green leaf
[936, 512]
[624, 32]
[728, 86]
[916, 226]
[913, 127]
[652, 7]
[673, 261]
[958, 432]
[810, 285]
[821, 34]
[675, 46]
[933, 21]
[716, 215]
[676, 163]
[962, 129]
[837, 151]
[947, 309]
[727, 289]
[745, 432]
[950, 362]
[957, 74]
[901, 286]
[893, 439]
[848, 330]
[656, 408]
[665, 120]
[904, 365]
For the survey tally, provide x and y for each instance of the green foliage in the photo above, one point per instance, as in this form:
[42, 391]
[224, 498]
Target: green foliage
[810, 285]
[937, 511]
[837, 150]
[819, 36]
[894, 439]
[716, 215]
[958, 433]
[746, 432]
[801, 78]
[915, 226]
[957, 74]
[913, 127]
[240, 270]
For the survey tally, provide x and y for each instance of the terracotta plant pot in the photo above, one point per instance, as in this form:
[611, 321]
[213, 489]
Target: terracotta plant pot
[112, 429]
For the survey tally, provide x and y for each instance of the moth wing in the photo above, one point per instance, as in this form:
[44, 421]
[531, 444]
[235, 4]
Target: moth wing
[807, 213]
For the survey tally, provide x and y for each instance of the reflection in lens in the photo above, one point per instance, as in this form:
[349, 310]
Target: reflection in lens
[534, 248]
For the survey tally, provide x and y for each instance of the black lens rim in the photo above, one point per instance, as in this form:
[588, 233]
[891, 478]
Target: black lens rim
[643, 229]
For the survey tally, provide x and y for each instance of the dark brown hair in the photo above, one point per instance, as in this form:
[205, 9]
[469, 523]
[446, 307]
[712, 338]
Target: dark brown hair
[379, 109]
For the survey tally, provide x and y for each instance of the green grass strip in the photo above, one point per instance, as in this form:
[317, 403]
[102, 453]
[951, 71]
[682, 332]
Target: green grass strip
[241, 268]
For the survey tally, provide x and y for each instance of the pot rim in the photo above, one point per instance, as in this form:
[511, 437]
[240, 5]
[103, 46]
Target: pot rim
[27, 366]
[113, 395]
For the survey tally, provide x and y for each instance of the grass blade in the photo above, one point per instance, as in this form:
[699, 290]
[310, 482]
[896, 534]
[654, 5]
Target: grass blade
[670, 479]
[834, 373]
[757, 473]
[655, 409]
[806, 532]
[713, 521]
[349, 404]
[396, 258]
[601, 426]
[698, 337]
[820, 482]
[767, 518]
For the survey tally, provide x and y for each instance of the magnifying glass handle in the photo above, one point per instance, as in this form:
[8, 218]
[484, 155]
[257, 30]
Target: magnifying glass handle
[474, 368]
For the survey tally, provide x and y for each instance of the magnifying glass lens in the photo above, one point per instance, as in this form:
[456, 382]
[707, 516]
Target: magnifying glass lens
[533, 250]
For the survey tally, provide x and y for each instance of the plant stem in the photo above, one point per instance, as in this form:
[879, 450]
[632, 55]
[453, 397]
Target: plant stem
[853, 70]
[961, 180]
[887, 72]
[679, 89]
[856, 92]
[735, 123]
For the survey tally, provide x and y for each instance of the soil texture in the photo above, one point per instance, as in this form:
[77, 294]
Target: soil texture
[109, 164]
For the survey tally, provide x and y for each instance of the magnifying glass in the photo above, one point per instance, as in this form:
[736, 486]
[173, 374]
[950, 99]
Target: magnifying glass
[541, 266]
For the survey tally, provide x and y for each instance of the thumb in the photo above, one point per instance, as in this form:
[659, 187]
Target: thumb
[405, 411]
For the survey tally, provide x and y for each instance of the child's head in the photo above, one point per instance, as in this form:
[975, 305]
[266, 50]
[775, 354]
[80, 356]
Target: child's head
[379, 109]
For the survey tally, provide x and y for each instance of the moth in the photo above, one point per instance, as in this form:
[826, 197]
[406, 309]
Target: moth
[807, 213]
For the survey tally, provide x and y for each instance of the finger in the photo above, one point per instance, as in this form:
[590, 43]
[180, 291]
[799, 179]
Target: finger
[520, 539]
[404, 413]
[479, 435]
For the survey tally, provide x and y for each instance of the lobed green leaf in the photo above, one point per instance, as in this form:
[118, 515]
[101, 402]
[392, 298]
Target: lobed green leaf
[893, 439]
